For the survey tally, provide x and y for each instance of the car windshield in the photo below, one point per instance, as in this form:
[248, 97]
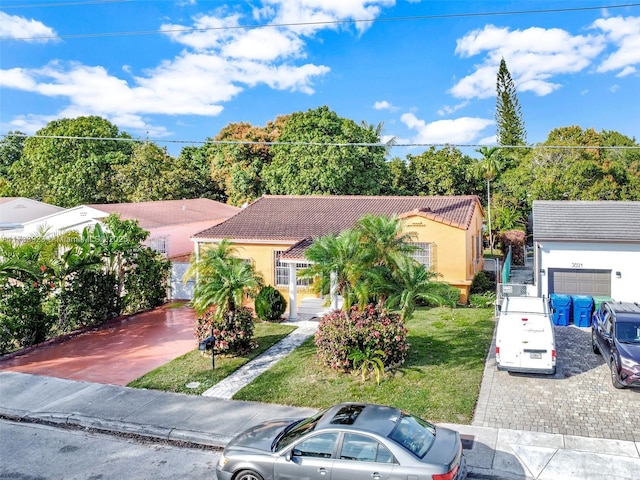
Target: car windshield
[295, 431]
[628, 332]
[414, 434]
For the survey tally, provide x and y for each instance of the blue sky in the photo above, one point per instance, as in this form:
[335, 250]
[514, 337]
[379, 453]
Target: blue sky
[180, 70]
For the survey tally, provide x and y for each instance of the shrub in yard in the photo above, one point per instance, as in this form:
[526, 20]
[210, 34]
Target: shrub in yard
[482, 300]
[89, 299]
[483, 282]
[23, 322]
[233, 332]
[270, 304]
[372, 329]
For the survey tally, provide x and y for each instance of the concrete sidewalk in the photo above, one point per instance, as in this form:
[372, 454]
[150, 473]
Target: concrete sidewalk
[490, 452]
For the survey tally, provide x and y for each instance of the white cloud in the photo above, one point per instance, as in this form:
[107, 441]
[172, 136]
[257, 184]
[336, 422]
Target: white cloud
[533, 57]
[382, 105]
[624, 33]
[626, 71]
[12, 26]
[219, 61]
[323, 14]
[449, 109]
[455, 131]
[29, 124]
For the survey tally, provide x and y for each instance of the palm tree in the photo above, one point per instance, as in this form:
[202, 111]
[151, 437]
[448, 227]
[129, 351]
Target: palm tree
[338, 257]
[222, 280]
[489, 167]
[383, 239]
[409, 282]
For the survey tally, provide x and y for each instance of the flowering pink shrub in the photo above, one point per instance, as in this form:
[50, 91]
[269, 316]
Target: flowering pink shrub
[234, 334]
[369, 329]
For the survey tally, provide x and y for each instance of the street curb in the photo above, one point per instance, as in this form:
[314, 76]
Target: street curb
[118, 427]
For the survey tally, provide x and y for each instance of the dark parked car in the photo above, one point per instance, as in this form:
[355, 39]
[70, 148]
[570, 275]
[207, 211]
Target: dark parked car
[350, 441]
[615, 333]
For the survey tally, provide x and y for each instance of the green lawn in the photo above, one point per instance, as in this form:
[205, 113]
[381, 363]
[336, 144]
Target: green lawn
[440, 379]
[196, 367]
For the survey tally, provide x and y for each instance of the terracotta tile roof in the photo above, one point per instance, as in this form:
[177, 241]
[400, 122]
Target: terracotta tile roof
[296, 252]
[293, 218]
[170, 212]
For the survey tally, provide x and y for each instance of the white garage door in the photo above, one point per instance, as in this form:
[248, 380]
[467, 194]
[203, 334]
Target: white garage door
[580, 282]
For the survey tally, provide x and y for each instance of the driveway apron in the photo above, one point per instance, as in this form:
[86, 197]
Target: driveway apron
[117, 354]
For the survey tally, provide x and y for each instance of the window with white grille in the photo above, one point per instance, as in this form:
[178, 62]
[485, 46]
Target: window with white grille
[281, 274]
[159, 244]
[423, 253]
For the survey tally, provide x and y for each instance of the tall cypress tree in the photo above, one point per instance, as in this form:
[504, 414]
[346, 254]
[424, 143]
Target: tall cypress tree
[510, 128]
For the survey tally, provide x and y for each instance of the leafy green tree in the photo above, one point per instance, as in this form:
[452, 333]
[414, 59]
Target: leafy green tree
[145, 177]
[588, 169]
[191, 177]
[444, 171]
[313, 160]
[400, 181]
[237, 156]
[65, 161]
[11, 147]
[510, 128]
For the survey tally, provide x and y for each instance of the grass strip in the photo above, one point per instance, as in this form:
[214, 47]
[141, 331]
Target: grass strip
[195, 367]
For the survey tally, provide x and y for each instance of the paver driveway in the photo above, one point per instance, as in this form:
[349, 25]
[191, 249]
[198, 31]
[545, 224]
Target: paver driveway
[124, 350]
[578, 400]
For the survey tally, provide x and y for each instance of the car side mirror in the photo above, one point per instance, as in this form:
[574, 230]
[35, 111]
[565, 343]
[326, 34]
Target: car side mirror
[288, 455]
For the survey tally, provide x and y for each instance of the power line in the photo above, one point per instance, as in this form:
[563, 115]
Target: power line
[328, 22]
[324, 144]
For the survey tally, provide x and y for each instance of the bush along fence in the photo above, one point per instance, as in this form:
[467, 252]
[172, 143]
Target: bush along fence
[51, 285]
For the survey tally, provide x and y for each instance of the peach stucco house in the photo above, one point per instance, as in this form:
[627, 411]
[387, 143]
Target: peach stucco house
[274, 231]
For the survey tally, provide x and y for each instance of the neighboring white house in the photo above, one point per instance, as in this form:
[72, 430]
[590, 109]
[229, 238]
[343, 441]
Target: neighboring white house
[16, 211]
[170, 224]
[587, 247]
[60, 221]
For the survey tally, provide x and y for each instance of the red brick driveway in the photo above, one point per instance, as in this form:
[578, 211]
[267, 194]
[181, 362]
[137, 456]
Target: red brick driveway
[124, 350]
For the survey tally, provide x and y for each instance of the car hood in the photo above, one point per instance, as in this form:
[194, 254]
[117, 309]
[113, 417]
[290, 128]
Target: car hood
[260, 437]
[630, 350]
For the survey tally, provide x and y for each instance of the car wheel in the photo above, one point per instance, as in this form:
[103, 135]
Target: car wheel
[614, 375]
[594, 343]
[248, 475]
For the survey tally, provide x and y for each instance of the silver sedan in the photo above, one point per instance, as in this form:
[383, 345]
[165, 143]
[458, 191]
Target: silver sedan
[350, 441]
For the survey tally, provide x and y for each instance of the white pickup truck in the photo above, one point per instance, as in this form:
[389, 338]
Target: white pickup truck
[525, 340]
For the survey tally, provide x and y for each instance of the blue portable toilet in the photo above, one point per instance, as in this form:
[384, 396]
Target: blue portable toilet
[582, 309]
[561, 305]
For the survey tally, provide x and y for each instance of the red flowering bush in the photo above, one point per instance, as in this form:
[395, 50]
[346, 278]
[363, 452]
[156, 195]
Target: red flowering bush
[372, 329]
[234, 333]
[515, 239]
